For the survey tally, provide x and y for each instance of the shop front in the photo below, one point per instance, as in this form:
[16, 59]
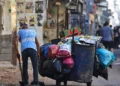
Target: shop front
[62, 15]
[56, 18]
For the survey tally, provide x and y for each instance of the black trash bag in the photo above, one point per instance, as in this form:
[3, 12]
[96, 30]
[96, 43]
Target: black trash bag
[40, 65]
[66, 71]
[42, 60]
[103, 72]
[99, 70]
[96, 69]
[53, 65]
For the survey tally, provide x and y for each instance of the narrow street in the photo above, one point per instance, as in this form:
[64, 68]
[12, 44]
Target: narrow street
[113, 79]
[10, 76]
[39, 22]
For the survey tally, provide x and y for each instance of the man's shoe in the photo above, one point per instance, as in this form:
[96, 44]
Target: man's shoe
[35, 83]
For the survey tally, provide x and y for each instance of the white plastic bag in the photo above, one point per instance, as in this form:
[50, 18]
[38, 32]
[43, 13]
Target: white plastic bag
[66, 47]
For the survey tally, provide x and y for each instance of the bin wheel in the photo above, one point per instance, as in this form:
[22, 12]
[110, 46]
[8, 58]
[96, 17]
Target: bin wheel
[65, 82]
[89, 84]
[58, 83]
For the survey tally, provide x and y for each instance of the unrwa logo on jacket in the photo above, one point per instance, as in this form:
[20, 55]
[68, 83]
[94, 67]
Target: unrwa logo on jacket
[28, 39]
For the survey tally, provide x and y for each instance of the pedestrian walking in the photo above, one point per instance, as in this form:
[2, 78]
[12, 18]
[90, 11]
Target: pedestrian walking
[98, 31]
[119, 34]
[116, 37]
[29, 48]
[107, 36]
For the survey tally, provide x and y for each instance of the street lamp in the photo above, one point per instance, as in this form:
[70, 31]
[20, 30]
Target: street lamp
[57, 3]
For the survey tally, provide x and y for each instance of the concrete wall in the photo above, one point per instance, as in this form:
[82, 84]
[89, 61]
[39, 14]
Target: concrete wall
[6, 19]
[6, 47]
[6, 33]
[39, 29]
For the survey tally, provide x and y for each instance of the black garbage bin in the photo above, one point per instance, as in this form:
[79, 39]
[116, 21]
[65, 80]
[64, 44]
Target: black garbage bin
[55, 41]
[84, 61]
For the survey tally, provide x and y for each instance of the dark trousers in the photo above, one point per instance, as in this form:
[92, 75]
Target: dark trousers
[33, 56]
[108, 44]
[116, 42]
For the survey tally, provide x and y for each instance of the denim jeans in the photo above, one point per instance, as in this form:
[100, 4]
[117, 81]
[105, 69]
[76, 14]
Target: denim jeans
[29, 52]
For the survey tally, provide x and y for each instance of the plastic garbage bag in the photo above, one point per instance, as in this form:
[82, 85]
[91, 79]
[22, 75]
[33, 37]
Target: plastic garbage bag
[63, 54]
[106, 57]
[53, 65]
[52, 51]
[44, 50]
[68, 62]
[66, 47]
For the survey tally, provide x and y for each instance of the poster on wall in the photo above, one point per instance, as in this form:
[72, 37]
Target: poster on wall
[51, 23]
[39, 6]
[32, 20]
[22, 20]
[29, 7]
[20, 7]
[74, 19]
[39, 18]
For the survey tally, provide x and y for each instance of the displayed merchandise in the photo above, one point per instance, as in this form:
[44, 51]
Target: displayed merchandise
[106, 57]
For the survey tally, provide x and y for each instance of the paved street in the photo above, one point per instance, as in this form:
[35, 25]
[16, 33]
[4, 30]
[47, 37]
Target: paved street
[114, 76]
[12, 76]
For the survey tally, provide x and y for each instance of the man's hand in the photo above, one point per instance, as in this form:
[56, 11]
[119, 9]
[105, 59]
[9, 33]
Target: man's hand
[38, 54]
[38, 47]
[18, 55]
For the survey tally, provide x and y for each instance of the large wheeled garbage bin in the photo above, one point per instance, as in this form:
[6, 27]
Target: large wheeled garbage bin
[84, 63]
[55, 41]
